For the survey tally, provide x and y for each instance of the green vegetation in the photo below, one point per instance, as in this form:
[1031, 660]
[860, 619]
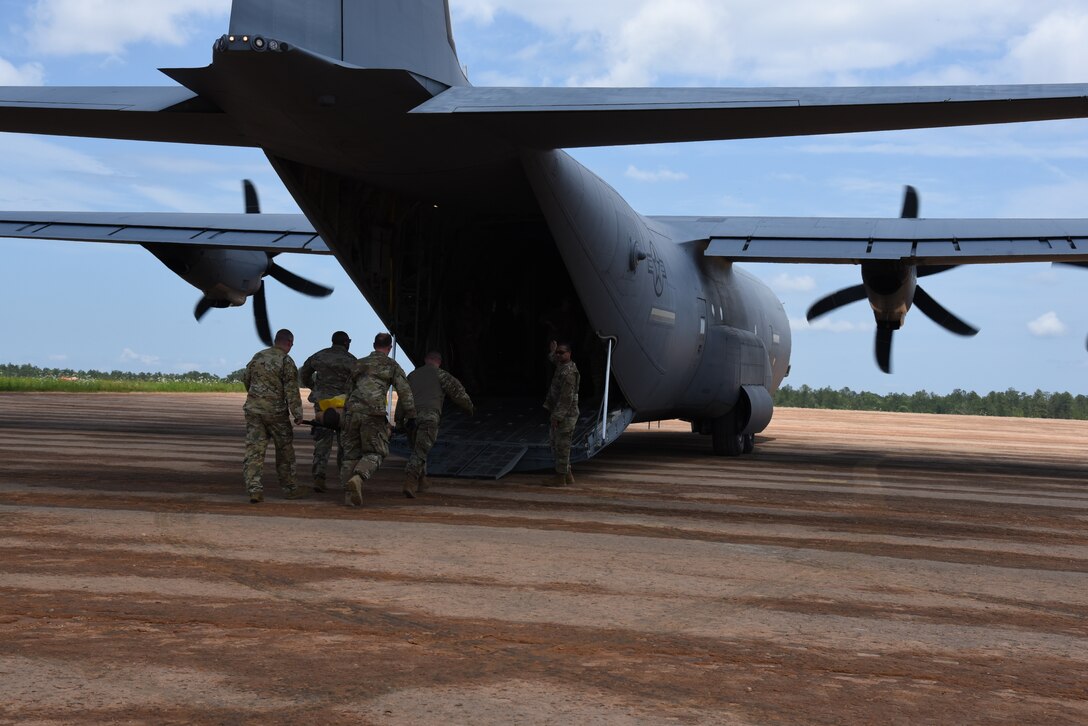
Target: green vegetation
[1008, 403]
[28, 378]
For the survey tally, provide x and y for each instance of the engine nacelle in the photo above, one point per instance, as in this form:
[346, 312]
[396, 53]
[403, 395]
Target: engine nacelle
[226, 277]
[890, 287]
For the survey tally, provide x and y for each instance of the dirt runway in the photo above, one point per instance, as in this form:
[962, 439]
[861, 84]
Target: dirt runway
[859, 568]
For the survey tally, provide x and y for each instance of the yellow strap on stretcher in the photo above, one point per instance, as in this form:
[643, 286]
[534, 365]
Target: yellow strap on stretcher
[335, 402]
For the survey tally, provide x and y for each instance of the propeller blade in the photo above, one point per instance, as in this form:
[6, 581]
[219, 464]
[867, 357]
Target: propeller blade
[203, 305]
[836, 299]
[1071, 264]
[884, 348]
[260, 316]
[296, 283]
[937, 313]
[250, 193]
[910, 203]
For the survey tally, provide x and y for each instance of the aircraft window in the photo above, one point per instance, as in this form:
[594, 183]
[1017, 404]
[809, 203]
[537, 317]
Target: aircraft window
[702, 325]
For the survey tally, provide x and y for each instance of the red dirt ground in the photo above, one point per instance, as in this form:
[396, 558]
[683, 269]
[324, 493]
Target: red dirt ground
[858, 568]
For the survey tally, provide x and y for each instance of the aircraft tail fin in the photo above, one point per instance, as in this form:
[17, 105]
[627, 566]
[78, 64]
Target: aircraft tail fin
[412, 35]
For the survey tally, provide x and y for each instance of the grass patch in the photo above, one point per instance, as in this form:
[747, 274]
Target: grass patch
[21, 384]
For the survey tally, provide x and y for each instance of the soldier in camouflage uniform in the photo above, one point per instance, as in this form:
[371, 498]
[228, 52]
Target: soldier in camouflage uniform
[327, 374]
[430, 386]
[365, 430]
[272, 403]
[562, 402]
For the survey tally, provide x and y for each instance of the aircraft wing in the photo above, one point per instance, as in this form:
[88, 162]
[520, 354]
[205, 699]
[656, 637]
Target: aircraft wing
[268, 232]
[915, 241]
[143, 113]
[554, 118]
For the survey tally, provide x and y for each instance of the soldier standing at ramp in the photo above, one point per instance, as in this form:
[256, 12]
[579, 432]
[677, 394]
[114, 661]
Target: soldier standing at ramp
[430, 386]
[272, 403]
[327, 373]
[562, 402]
[365, 430]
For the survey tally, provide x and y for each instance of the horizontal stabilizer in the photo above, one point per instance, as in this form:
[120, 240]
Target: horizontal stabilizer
[554, 118]
[141, 113]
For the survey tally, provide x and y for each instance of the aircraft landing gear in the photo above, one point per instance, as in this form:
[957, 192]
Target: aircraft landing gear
[726, 439]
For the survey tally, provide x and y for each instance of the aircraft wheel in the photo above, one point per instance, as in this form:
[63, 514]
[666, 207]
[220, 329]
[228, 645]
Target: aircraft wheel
[749, 443]
[724, 436]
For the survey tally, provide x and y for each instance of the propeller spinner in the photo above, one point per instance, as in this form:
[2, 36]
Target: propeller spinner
[891, 288]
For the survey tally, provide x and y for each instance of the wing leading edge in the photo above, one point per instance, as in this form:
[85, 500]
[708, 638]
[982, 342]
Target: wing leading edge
[832, 240]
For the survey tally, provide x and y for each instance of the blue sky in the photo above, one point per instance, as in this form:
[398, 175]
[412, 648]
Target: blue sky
[116, 307]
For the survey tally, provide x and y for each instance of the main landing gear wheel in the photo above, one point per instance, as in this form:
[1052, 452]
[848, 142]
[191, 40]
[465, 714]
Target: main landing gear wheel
[749, 443]
[725, 438]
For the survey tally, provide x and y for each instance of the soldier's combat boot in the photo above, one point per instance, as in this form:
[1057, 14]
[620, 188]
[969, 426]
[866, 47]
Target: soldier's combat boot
[353, 491]
[298, 493]
[424, 485]
[256, 497]
[319, 486]
[570, 478]
[410, 484]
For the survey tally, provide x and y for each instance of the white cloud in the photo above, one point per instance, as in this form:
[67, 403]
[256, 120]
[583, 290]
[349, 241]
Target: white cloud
[28, 74]
[1047, 325]
[794, 42]
[666, 175]
[784, 282]
[128, 355]
[70, 27]
[23, 151]
[1053, 51]
[829, 325]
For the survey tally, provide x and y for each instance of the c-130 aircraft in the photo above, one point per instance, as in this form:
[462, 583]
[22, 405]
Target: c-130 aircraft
[452, 208]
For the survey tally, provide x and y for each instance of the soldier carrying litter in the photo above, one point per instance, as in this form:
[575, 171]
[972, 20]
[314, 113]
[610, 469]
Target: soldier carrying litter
[327, 373]
[272, 403]
[365, 429]
[430, 386]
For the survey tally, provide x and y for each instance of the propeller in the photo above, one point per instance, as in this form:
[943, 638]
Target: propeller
[885, 330]
[276, 272]
[1074, 264]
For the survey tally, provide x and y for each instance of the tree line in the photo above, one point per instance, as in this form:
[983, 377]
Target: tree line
[11, 370]
[1040, 404]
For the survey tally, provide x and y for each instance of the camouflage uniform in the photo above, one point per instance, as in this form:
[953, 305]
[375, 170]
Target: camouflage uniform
[327, 373]
[430, 386]
[365, 428]
[273, 401]
[562, 402]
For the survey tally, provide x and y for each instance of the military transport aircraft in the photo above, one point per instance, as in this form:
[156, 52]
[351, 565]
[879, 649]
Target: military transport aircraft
[455, 212]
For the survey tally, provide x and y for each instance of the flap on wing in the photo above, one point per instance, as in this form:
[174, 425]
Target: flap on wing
[147, 113]
[576, 117]
[917, 241]
[269, 232]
